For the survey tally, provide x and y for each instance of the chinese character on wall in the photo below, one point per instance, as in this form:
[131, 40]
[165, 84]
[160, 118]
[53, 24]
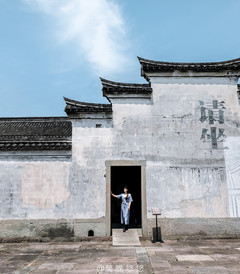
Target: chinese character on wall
[212, 116]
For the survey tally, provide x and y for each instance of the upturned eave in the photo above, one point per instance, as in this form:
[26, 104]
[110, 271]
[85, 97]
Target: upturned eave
[229, 68]
[74, 107]
[113, 89]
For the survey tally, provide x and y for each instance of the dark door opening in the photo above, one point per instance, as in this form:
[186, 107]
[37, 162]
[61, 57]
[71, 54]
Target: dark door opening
[130, 176]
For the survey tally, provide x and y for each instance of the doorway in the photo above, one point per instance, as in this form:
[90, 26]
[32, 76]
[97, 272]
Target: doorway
[130, 176]
[141, 164]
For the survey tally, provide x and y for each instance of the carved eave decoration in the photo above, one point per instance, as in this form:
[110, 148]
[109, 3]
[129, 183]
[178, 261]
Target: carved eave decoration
[150, 68]
[117, 90]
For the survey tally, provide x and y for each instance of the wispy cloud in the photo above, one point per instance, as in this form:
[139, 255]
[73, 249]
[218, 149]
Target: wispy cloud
[96, 28]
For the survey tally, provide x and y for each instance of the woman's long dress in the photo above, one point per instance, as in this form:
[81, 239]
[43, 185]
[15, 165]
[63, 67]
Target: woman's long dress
[125, 213]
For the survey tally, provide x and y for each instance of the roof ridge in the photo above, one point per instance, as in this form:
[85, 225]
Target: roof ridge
[231, 61]
[36, 119]
[114, 83]
[228, 68]
[80, 103]
[73, 106]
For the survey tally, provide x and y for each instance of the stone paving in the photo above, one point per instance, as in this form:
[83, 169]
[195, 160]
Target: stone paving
[99, 256]
[128, 238]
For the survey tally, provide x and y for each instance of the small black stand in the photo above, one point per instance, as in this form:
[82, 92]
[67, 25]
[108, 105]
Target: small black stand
[156, 212]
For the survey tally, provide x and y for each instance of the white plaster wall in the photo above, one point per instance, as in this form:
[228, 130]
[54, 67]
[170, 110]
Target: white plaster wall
[91, 147]
[184, 175]
[187, 192]
[232, 159]
[34, 189]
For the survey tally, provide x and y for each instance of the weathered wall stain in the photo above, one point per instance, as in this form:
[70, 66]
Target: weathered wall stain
[44, 185]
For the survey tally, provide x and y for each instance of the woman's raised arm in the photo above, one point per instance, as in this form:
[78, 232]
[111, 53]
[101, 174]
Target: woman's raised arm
[116, 196]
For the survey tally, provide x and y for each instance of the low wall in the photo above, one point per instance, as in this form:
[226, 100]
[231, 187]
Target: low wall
[180, 228]
[77, 229]
[49, 229]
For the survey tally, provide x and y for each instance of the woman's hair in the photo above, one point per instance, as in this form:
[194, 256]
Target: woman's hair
[127, 192]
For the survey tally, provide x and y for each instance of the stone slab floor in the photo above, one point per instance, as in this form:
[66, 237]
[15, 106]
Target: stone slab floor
[99, 256]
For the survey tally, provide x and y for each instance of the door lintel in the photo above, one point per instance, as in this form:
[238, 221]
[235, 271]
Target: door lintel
[125, 163]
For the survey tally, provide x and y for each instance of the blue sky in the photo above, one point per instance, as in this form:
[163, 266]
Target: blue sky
[55, 48]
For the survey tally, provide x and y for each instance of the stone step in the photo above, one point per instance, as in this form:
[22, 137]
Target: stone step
[128, 238]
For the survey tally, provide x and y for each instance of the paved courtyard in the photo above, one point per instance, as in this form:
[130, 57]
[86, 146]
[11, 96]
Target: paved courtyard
[99, 256]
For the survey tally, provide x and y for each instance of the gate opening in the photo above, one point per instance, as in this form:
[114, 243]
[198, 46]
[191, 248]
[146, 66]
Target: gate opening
[130, 176]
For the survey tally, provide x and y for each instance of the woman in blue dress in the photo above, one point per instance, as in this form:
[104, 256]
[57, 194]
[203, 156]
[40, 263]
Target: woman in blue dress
[125, 207]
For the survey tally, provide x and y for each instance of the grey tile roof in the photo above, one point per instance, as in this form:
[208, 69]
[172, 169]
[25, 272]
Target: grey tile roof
[229, 66]
[110, 87]
[73, 106]
[40, 133]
